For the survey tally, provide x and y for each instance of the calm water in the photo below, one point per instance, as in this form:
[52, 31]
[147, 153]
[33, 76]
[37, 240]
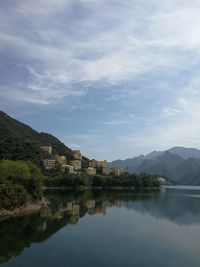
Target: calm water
[107, 229]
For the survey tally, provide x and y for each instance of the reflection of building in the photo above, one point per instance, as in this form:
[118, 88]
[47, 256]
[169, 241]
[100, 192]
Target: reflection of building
[118, 203]
[47, 149]
[42, 227]
[116, 171]
[74, 214]
[91, 171]
[100, 210]
[45, 213]
[59, 214]
[89, 204]
[75, 210]
[49, 163]
[61, 159]
[76, 163]
[69, 206]
[77, 154]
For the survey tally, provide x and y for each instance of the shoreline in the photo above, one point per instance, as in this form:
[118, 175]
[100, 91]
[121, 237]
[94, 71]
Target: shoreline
[82, 188]
[20, 211]
[38, 205]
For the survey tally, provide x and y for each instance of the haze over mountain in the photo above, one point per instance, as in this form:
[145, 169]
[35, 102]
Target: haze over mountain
[180, 164]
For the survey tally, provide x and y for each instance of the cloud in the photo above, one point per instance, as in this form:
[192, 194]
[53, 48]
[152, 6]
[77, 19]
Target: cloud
[70, 42]
[176, 124]
[138, 59]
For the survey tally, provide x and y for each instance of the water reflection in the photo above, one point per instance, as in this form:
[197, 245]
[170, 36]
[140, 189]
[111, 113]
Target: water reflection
[67, 208]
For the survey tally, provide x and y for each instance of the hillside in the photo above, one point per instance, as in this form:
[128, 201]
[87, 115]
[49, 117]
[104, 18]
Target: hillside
[179, 164]
[18, 141]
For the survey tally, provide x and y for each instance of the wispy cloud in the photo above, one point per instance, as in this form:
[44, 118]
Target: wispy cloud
[138, 57]
[70, 42]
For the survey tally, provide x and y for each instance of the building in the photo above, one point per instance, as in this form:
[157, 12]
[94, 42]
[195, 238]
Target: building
[49, 163]
[162, 180]
[76, 163]
[77, 154]
[68, 169]
[61, 159]
[106, 171]
[102, 164]
[98, 164]
[47, 149]
[93, 163]
[116, 171]
[91, 171]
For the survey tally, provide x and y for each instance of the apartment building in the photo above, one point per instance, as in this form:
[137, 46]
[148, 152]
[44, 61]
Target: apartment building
[76, 163]
[49, 163]
[47, 149]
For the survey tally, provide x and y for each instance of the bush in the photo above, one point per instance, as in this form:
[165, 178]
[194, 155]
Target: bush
[13, 196]
[22, 173]
[125, 180]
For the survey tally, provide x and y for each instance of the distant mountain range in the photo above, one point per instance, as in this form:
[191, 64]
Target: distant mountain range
[179, 164]
[18, 141]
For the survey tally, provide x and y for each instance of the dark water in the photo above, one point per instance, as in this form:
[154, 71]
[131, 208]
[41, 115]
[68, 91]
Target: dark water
[107, 229]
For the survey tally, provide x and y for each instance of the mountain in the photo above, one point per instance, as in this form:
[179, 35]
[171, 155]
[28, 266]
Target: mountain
[18, 141]
[129, 165]
[183, 152]
[154, 154]
[163, 165]
[186, 153]
[179, 164]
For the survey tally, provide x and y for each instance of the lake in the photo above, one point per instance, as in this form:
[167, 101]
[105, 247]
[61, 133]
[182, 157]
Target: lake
[107, 228]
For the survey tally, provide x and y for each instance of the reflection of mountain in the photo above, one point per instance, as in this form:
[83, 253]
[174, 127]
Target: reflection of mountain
[21, 232]
[68, 208]
[182, 207]
[18, 233]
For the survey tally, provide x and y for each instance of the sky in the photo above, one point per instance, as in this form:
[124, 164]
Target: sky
[112, 78]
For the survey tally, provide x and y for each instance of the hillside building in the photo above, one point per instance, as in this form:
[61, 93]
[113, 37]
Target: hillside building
[77, 154]
[106, 171]
[102, 164]
[91, 171]
[93, 163]
[61, 159]
[47, 149]
[76, 163]
[49, 163]
[116, 171]
[98, 164]
[68, 169]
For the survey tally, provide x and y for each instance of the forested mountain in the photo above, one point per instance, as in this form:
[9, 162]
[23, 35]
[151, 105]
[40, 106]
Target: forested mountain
[20, 142]
[181, 165]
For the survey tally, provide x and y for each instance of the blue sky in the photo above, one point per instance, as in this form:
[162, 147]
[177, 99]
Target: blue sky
[112, 78]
